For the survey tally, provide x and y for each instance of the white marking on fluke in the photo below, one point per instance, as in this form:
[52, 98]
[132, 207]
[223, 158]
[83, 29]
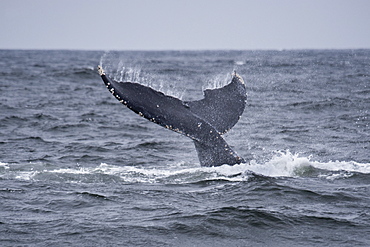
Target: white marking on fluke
[100, 70]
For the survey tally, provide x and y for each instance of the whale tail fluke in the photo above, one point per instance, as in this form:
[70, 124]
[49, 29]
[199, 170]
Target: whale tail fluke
[203, 121]
[216, 155]
[222, 107]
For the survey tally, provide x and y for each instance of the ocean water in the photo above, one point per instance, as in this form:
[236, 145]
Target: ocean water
[77, 168]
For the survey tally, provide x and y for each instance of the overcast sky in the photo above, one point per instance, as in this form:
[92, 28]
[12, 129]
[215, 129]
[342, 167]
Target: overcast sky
[184, 24]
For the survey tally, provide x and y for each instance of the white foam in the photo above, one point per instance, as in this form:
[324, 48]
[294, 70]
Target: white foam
[239, 63]
[4, 165]
[350, 166]
[173, 174]
[25, 175]
[282, 164]
[80, 170]
[286, 164]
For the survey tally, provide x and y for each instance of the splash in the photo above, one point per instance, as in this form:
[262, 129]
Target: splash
[286, 164]
[120, 69]
[282, 164]
[130, 71]
[175, 174]
[217, 81]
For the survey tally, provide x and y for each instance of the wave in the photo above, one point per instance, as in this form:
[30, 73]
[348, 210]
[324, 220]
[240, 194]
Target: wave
[286, 164]
[282, 164]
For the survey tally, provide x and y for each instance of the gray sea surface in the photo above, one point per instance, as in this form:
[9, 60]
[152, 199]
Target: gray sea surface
[77, 168]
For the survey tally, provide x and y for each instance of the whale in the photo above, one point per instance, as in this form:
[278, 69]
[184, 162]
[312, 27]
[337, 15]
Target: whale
[204, 121]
